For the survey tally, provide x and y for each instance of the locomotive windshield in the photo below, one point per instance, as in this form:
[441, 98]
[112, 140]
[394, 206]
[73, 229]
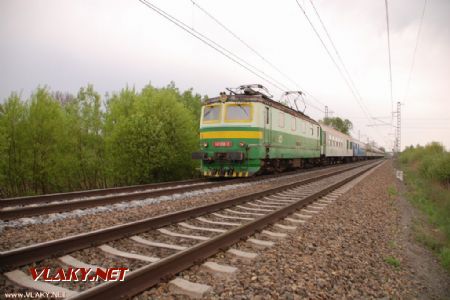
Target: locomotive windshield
[211, 113]
[238, 113]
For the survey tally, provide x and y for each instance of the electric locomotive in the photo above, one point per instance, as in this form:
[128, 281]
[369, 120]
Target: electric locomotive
[245, 132]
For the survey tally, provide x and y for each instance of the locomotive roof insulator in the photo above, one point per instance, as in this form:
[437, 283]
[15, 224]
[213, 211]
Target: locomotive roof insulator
[251, 89]
[223, 97]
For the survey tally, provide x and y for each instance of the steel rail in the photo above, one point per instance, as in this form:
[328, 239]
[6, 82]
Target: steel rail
[24, 255]
[29, 211]
[88, 193]
[27, 200]
[150, 275]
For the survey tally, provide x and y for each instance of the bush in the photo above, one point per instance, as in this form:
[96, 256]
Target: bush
[432, 161]
[445, 257]
[441, 168]
[427, 173]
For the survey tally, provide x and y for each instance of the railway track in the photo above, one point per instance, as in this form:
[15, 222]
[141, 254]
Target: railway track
[14, 208]
[176, 241]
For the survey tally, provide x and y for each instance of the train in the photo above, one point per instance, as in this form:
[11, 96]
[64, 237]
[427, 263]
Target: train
[246, 133]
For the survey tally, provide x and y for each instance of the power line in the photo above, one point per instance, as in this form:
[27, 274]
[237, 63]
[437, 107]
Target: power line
[338, 55]
[332, 59]
[415, 50]
[389, 54]
[257, 53]
[359, 101]
[222, 50]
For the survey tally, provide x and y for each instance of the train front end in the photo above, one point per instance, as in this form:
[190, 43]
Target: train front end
[230, 140]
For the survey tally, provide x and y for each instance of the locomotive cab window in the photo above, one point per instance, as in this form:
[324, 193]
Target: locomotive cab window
[238, 113]
[211, 114]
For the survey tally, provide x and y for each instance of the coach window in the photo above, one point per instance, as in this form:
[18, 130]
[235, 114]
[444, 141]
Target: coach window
[267, 115]
[293, 124]
[238, 113]
[211, 114]
[312, 131]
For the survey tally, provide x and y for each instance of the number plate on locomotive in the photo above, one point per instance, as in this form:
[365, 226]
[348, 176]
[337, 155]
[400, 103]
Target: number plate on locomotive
[223, 144]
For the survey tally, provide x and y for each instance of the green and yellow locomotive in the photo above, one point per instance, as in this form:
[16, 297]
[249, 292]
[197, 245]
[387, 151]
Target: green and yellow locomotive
[245, 132]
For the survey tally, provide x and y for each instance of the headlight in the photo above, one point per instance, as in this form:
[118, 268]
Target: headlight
[205, 145]
[242, 144]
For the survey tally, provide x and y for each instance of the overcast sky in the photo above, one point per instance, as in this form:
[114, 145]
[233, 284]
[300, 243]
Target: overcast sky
[114, 43]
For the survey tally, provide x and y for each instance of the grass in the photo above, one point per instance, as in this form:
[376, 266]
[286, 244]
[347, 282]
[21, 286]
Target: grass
[445, 257]
[426, 173]
[433, 200]
[392, 244]
[392, 191]
[392, 261]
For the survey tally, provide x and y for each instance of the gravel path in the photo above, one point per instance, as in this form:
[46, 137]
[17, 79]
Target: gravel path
[341, 253]
[23, 236]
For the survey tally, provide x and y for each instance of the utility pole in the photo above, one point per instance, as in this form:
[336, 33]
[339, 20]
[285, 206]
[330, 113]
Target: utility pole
[398, 132]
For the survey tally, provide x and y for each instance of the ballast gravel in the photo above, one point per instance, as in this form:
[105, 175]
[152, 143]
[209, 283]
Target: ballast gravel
[16, 237]
[344, 252]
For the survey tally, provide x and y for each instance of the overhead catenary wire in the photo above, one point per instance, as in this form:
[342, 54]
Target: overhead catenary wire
[358, 100]
[252, 49]
[339, 57]
[415, 51]
[333, 60]
[214, 45]
[361, 101]
[219, 48]
[389, 56]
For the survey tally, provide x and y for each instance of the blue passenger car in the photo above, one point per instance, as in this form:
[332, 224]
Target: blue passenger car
[359, 149]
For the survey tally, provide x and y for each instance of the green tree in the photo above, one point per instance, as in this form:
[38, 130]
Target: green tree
[13, 147]
[56, 142]
[192, 102]
[90, 141]
[339, 124]
[119, 111]
[152, 137]
[44, 138]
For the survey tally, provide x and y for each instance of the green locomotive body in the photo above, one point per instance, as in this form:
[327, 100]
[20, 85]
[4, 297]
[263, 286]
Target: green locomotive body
[246, 134]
